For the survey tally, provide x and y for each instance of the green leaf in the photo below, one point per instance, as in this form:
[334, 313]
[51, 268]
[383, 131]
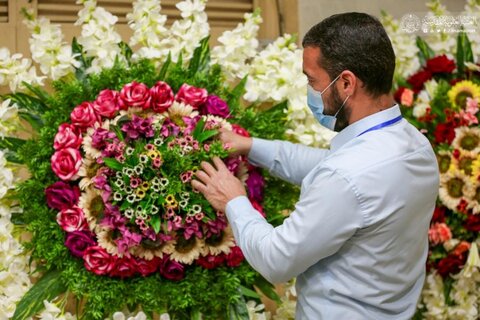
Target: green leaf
[85, 62]
[12, 144]
[155, 223]
[166, 65]
[27, 102]
[34, 120]
[233, 100]
[113, 164]
[464, 52]
[425, 52]
[37, 91]
[238, 311]
[200, 59]
[198, 129]
[47, 288]
[205, 135]
[267, 288]
[249, 293]
[118, 132]
[126, 50]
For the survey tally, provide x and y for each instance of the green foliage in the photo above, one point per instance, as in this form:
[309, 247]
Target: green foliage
[216, 294]
[425, 52]
[464, 53]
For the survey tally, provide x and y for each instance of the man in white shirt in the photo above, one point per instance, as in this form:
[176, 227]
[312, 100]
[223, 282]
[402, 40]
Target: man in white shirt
[357, 240]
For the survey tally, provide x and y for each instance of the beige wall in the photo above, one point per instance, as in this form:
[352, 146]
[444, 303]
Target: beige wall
[313, 11]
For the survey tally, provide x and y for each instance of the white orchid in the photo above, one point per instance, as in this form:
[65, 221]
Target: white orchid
[14, 70]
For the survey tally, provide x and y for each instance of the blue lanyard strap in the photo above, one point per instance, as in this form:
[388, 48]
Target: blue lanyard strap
[382, 125]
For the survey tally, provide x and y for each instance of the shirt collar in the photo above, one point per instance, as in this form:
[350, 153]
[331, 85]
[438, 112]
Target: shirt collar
[361, 125]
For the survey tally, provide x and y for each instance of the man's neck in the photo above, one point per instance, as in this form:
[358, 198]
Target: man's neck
[369, 106]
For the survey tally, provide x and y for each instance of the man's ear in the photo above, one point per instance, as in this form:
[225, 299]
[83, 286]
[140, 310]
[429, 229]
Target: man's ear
[348, 83]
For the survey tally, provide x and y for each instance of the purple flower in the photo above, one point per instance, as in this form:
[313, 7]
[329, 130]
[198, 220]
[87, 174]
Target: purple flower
[100, 137]
[139, 126]
[255, 184]
[62, 195]
[112, 219]
[127, 240]
[215, 106]
[172, 270]
[78, 241]
[192, 229]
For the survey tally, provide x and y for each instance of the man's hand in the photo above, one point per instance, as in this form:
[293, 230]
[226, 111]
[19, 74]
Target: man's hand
[240, 145]
[218, 185]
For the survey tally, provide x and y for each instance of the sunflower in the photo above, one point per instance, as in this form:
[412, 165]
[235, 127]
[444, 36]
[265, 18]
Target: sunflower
[473, 197]
[467, 139]
[464, 162]
[106, 241]
[149, 249]
[444, 159]
[92, 205]
[186, 251]
[453, 187]
[221, 243]
[87, 171]
[462, 90]
[476, 171]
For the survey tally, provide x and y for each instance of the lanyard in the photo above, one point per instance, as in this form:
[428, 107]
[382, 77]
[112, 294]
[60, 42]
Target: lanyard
[382, 125]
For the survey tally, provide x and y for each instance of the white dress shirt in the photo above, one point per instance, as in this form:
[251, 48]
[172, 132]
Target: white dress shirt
[357, 240]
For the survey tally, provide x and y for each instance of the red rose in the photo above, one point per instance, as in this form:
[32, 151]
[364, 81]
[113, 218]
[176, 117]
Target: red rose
[472, 223]
[97, 260]
[439, 233]
[162, 96]
[61, 195]
[239, 130]
[72, 219]
[68, 136]
[66, 163]
[191, 95]
[418, 79]
[235, 257]
[146, 267]
[211, 261]
[439, 214]
[84, 116]
[257, 207]
[124, 267]
[452, 264]
[444, 132]
[461, 249]
[108, 103]
[135, 94]
[440, 64]
[172, 270]
[79, 241]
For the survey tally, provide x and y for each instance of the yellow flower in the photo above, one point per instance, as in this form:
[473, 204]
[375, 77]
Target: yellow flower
[467, 139]
[461, 91]
[152, 154]
[444, 159]
[464, 162]
[476, 171]
[187, 251]
[453, 187]
[221, 243]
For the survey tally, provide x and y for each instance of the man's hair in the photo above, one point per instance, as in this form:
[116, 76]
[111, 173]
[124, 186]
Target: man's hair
[356, 42]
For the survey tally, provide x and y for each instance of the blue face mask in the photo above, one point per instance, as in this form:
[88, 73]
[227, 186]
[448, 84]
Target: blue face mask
[315, 103]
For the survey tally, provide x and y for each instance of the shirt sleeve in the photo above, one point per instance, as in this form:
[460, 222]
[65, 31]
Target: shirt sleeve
[288, 161]
[326, 216]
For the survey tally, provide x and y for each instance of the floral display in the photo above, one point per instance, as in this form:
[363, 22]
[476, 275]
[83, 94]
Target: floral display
[442, 100]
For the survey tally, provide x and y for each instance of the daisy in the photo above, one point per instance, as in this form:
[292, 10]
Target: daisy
[217, 122]
[453, 186]
[462, 90]
[92, 205]
[221, 243]
[178, 110]
[467, 139]
[186, 251]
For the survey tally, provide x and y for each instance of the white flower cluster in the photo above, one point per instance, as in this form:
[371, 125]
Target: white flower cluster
[472, 9]
[238, 46]
[9, 121]
[286, 311]
[156, 40]
[48, 48]
[404, 45]
[99, 38]
[14, 279]
[440, 42]
[54, 312]
[14, 70]
[465, 292]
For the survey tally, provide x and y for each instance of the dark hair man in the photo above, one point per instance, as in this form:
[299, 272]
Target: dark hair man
[357, 240]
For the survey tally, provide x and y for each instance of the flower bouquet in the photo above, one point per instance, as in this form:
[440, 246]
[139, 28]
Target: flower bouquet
[114, 221]
[442, 100]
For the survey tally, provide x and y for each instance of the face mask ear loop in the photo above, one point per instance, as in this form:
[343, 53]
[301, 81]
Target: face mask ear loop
[344, 101]
[330, 84]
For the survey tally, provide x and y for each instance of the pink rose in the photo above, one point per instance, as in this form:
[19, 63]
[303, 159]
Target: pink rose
[68, 136]
[216, 106]
[439, 233]
[235, 257]
[124, 267]
[61, 195]
[407, 97]
[135, 94]
[79, 241]
[66, 163]
[162, 97]
[107, 103]
[72, 219]
[97, 260]
[172, 270]
[191, 95]
[147, 267]
[240, 130]
[84, 116]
